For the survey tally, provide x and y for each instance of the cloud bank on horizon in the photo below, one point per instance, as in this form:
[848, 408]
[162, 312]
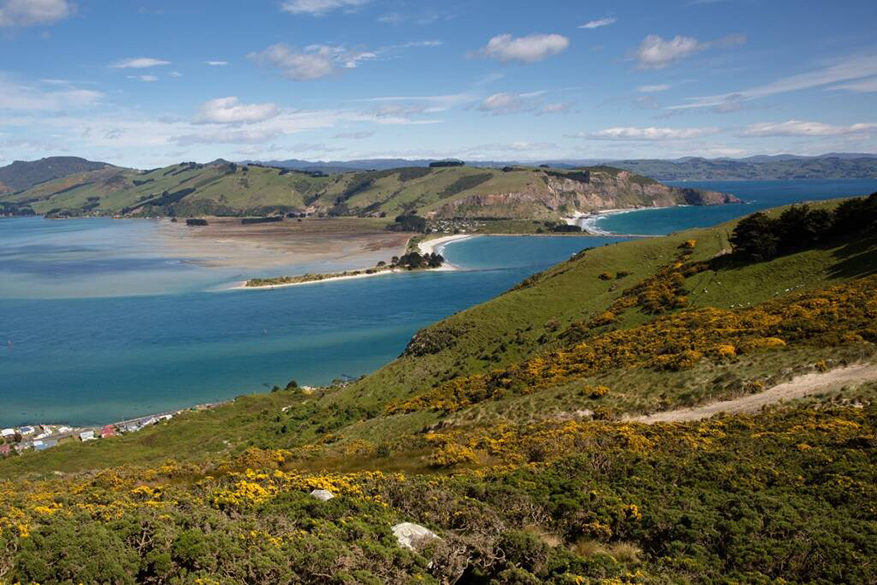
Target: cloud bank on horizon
[423, 79]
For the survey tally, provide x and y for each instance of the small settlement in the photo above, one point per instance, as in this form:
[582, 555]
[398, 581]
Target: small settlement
[14, 440]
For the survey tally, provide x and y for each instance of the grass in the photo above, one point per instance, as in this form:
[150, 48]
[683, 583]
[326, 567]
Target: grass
[252, 190]
[513, 327]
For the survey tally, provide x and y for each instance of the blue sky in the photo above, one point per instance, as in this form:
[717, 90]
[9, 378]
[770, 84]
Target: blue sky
[155, 82]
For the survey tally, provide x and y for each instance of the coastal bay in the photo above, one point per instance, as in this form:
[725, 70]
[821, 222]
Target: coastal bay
[144, 332]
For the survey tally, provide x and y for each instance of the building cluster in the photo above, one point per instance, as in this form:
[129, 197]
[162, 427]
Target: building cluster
[42, 437]
[454, 226]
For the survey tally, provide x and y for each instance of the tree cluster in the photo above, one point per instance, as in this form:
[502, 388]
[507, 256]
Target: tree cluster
[760, 237]
[415, 260]
[409, 223]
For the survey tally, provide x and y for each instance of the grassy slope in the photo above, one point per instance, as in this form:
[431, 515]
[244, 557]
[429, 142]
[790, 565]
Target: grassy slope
[218, 187]
[514, 326]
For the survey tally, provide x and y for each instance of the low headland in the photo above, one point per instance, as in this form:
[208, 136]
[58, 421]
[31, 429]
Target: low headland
[425, 258]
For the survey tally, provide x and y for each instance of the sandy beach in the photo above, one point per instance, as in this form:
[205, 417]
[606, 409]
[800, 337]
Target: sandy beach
[225, 242]
[242, 285]
[436, 245]
[432, 246]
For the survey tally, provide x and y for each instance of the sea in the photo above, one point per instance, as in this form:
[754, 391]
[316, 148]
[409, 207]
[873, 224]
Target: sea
[98, 324]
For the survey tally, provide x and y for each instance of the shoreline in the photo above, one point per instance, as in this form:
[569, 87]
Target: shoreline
[433, 246]
[588, 221]
[242, 284]
[437, 245]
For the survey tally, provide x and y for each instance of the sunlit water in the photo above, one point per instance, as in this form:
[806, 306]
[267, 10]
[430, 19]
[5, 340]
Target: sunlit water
[92, 359]
[97, 324]
[757, 195]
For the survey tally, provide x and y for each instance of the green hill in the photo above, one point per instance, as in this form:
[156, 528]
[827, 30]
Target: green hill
[22, 175]
[510, 430]
[221, 188]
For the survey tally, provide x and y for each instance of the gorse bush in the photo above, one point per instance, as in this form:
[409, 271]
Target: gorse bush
[842, 314]
[566, 502]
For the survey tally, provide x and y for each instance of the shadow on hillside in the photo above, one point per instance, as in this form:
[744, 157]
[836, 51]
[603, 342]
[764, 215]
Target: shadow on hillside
[856, 259]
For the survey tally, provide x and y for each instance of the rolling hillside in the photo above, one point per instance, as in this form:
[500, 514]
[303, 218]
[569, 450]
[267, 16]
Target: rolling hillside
[526, 434]
[221, 188]
[22, 175]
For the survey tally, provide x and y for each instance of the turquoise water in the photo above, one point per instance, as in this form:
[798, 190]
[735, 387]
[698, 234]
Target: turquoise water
[157, 340]
[757, 195]
[104, 257]
[94, 360]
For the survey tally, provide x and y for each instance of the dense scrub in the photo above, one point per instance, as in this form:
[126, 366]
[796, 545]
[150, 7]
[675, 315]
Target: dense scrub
[842, 314]
[719, 501]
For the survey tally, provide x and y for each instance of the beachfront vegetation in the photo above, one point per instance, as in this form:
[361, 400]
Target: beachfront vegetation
[410, 261]
[504, 430]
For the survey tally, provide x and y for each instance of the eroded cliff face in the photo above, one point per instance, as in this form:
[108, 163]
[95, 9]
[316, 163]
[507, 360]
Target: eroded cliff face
[550, 197]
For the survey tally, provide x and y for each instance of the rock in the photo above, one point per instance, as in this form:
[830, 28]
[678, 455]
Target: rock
[324, 495]
[408, 533]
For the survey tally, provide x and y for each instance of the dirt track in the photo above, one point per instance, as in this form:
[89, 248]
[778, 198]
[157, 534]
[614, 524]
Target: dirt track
[796, 388]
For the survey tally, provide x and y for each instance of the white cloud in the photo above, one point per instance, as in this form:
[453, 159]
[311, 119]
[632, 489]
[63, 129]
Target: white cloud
[502, 103]
[414, 44]
[147, 78]
[649, 134]
[320, 7]
[598, 23]
[510, 103]
[216, 63]
[392, 18]
[864, 86]
[802, 128]
[175, 74]
[847, 69]
[653, 88]
[228, 136]
[138, 63]
[396, 110]
[314, 62]
[23, 97]
[354, 135]
[33, 12]
[655, 52]
[439, 102]
[528, 49]
[229, 110]
[558, 108]
[312, 147]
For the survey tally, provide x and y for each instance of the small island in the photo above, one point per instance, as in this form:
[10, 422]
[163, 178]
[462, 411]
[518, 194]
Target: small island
[410, 261]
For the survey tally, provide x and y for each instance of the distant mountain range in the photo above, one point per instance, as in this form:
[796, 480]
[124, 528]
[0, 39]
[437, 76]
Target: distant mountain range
[757, 168]
[761, 167]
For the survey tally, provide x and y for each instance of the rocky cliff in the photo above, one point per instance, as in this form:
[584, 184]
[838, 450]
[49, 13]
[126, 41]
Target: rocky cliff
[557, 195]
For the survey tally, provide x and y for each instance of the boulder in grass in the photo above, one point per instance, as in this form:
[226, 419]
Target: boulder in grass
[408, 534]
[324, 495]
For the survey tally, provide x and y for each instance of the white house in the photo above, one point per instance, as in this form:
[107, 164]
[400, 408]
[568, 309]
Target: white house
[86, 436]
[7, 433]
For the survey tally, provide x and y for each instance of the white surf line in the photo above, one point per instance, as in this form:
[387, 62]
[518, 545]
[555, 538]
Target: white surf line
[437, 245]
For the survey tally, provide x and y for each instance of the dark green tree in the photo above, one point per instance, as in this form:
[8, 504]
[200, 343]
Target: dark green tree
[755, 237]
